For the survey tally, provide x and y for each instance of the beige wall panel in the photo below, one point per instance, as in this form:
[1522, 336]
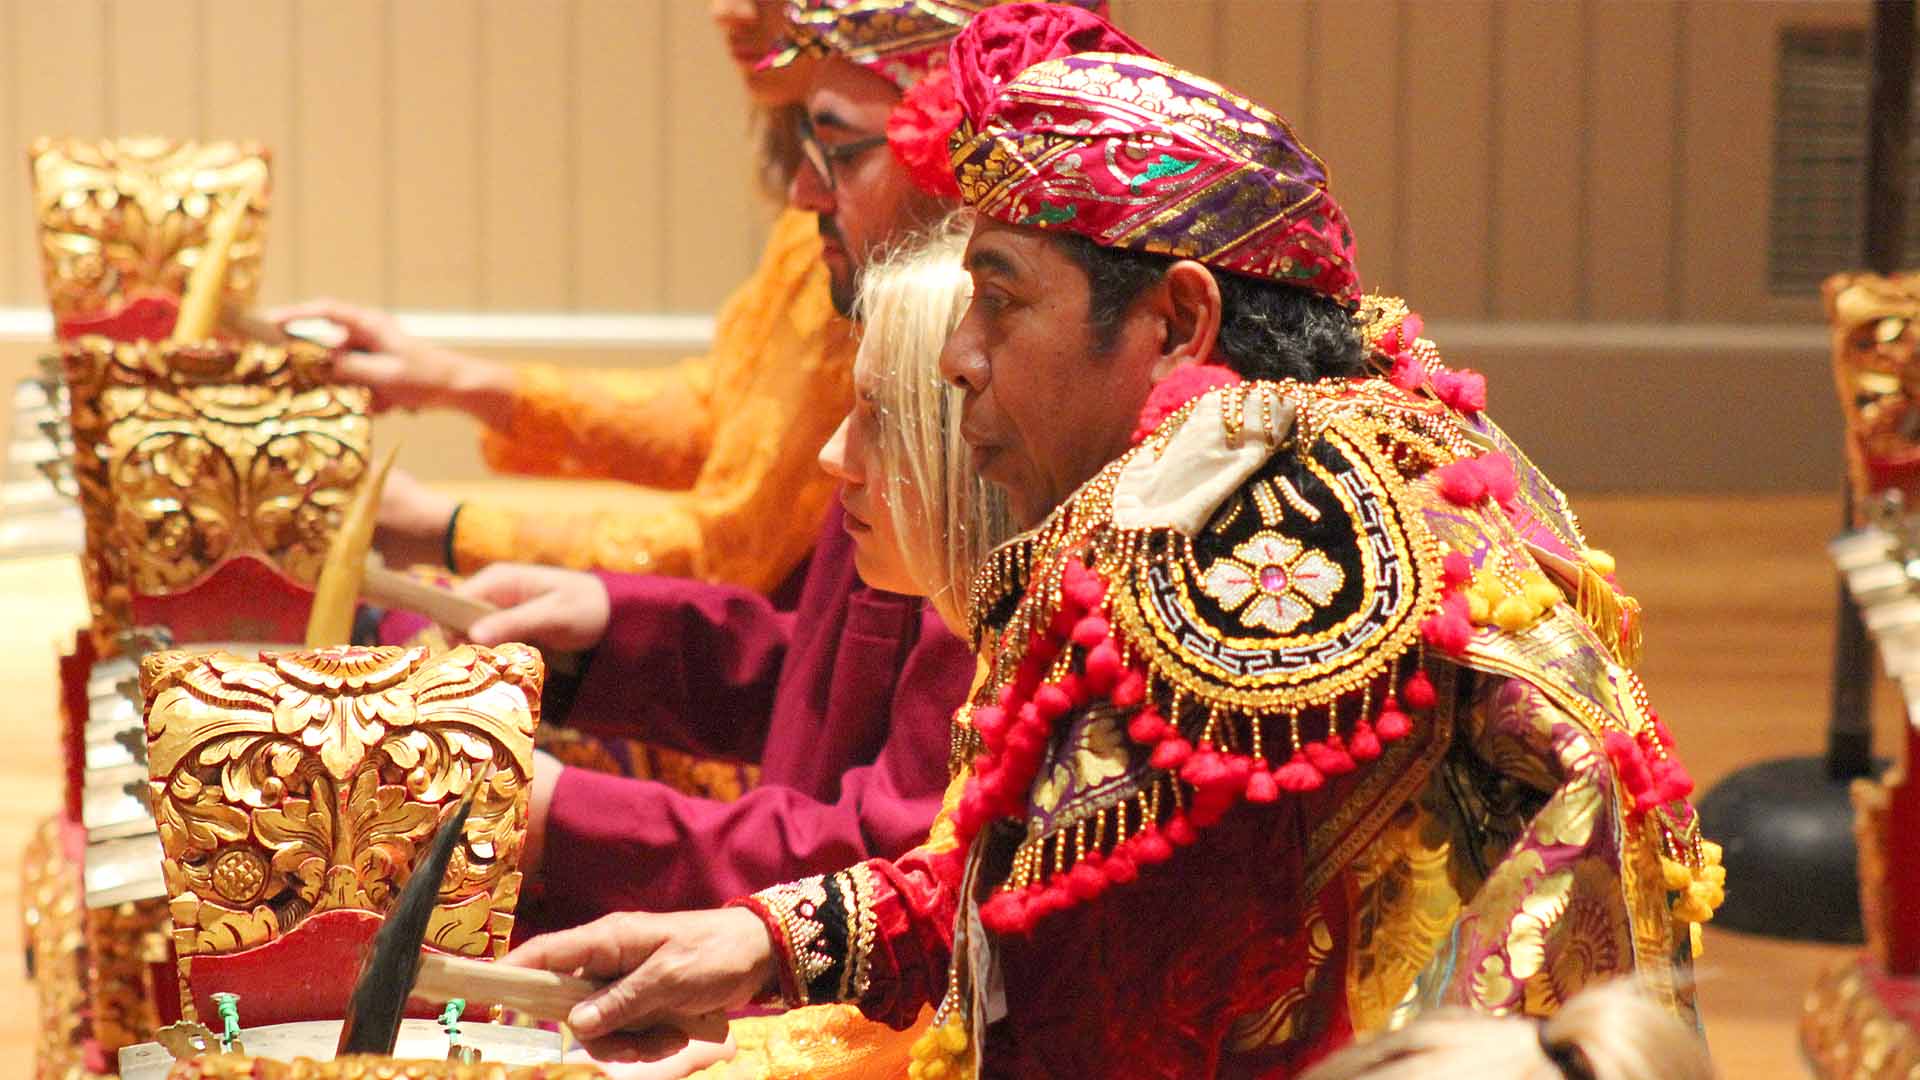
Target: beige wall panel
[1445, 186]
[1263, 54]
[1539, 117]
[1356, 124]
[1632, 137]
[525, 155]
[434, 188]
[250, 73]
[1726, 168]
[58, 87]
[716, 222]
[341, 111]
[619, 143]
[1183, 31]
[153, 67]
[1727, 155]
[18, 283]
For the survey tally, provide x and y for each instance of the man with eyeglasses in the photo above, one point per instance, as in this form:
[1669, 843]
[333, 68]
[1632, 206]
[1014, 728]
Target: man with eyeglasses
[844, 702]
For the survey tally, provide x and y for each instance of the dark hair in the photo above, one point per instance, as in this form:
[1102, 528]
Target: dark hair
[778, 130]
[1267, 330]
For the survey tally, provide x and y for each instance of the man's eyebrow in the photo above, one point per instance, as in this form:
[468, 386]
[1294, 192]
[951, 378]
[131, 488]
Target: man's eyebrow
[827, 119]
[989, 261]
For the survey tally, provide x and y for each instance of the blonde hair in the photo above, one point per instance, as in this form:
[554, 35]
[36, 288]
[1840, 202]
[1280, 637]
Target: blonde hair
[946, 517]
[1613, 1029]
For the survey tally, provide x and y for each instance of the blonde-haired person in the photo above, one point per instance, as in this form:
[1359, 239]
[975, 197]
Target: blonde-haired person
[720, 445]
[921, 520]
[1610, 1032]
[919, 514]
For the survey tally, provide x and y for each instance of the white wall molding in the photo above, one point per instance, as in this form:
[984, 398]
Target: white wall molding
[662, 330]
[646, 330]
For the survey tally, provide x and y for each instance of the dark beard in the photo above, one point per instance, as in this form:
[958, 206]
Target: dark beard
[920, 212]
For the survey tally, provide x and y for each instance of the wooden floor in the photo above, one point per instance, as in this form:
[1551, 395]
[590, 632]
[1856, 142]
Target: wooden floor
[1738, 595]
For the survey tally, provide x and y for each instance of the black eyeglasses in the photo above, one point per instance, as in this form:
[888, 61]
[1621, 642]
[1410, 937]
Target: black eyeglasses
[824, 158]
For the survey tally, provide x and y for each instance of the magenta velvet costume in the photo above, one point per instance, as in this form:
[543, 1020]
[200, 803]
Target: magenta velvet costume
[844, 702]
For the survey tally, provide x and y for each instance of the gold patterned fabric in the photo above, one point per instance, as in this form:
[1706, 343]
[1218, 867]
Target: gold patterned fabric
[1137, 154]
[187, 456]
[898, 40]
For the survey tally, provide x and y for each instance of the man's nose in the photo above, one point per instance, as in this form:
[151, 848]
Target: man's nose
[962, 362]
[808, 190]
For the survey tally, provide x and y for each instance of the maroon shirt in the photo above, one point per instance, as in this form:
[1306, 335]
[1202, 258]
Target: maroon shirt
[844, 703]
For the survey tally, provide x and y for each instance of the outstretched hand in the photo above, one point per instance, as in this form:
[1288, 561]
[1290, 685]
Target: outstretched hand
[663, 968]
[556, 610]
[404, 372]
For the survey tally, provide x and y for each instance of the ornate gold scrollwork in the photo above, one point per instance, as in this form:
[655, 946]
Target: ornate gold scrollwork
[310, 781]
[123, 216]
[186, 455]
[1875, 321]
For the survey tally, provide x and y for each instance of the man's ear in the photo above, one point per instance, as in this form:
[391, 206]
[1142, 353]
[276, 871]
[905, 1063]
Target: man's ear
[1190, 304]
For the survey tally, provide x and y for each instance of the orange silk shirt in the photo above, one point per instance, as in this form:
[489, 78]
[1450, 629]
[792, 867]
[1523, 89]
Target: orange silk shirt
[722, 444]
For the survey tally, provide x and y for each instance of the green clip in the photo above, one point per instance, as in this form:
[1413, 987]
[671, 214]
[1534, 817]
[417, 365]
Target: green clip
[450, 1020]
[229, 1008]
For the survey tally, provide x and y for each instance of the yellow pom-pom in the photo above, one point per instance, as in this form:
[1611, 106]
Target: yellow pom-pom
[1715, 873]
[1710, 852]
[1690, 908]
[935, 1069]
[1675, 875]
[1696, 940]
[1515, 613]
[1601, 562]
[953, 1038]
[1479, 610]
[1542, 592]
[916, 1070]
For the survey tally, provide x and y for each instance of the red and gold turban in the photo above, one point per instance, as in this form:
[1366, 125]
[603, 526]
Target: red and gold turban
[1132, 152]
[899, 40]
[906, 42]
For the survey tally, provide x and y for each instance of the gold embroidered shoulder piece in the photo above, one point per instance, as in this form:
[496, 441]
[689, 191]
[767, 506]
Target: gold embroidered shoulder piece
[1235, 609]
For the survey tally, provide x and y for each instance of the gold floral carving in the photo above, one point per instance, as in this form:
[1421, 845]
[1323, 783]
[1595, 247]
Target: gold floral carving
[1871, 808]
[1875, 320]
[125, 942]
[310, 781]
[125, 216]
[368, 1067]
[1847, 1033]
[56, 954]
[186, 455]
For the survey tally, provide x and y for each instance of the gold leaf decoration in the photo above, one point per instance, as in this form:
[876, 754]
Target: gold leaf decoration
[122, 217]
[188, 455]
[310, 781]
